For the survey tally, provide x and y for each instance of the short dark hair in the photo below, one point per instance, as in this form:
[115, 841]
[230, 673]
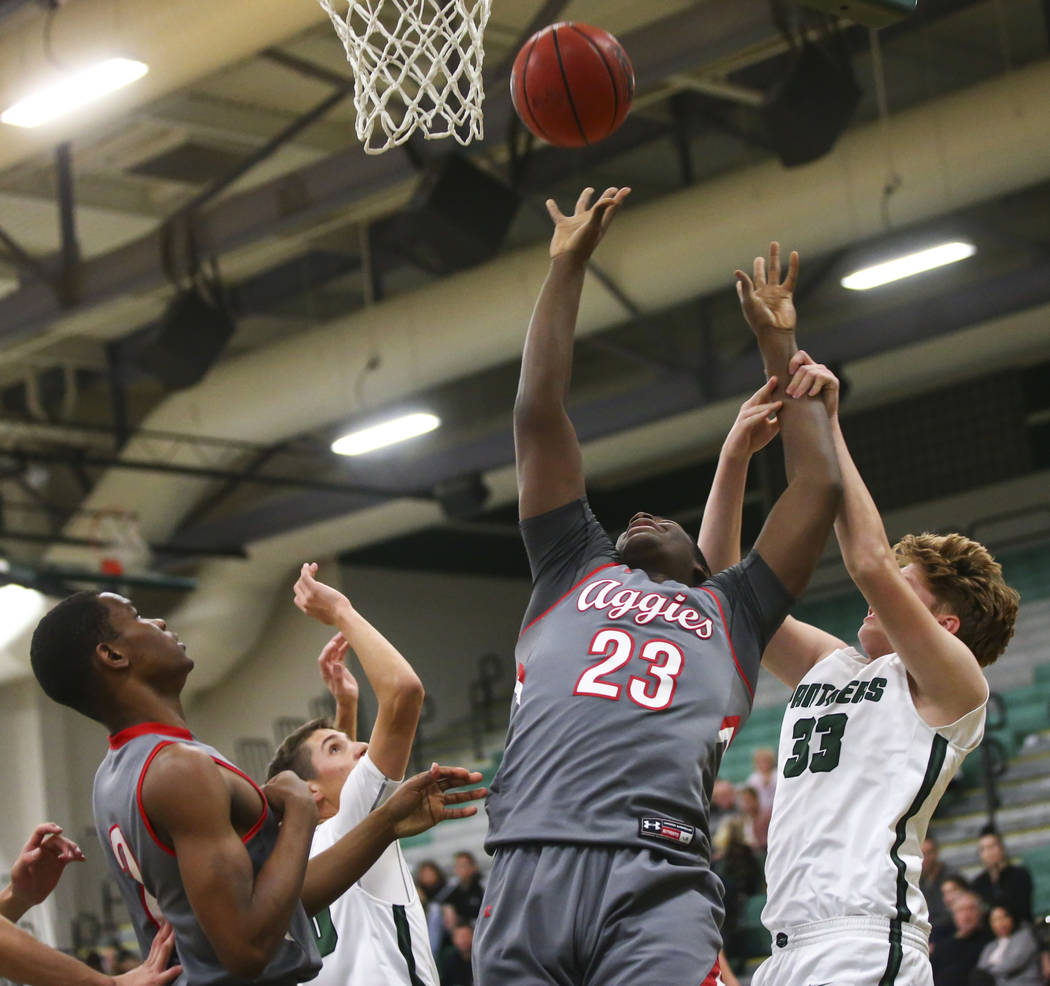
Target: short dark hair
[293, 754]
[990, 829]
[956, 878]
[62, 651]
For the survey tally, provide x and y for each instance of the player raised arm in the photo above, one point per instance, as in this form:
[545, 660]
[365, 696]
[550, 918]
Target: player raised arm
[794, 533]
[398, 689]
[550, 467]
[341, 683]
[38, 869]
[949, 682]
[796, 646]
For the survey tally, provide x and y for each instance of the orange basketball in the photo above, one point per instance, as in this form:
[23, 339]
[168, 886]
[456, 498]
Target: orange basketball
[572, 84]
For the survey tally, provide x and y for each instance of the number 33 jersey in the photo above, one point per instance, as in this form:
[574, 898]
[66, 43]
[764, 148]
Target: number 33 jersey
[860, 774]
[628, 692]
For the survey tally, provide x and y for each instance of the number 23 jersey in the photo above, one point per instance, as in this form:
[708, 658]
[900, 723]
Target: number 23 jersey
[628, 692]
[860, 774]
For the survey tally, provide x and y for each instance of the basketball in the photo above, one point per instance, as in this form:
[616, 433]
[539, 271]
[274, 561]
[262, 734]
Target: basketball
[572, 84]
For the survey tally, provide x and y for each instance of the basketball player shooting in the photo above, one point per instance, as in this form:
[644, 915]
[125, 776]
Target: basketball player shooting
[869, 741]
[188, 837]
[636, 667]
[377, 931]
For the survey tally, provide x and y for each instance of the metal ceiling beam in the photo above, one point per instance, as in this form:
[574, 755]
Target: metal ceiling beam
[672, 45]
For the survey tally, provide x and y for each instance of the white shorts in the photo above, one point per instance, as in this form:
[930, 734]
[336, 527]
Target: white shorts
[854, 951]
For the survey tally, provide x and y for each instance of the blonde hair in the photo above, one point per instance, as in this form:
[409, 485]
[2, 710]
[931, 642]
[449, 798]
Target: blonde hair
[967, 582]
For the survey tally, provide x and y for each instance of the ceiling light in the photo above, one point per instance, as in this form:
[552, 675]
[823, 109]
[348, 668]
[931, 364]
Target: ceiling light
[913, 263]
[387, 433]
[73, 91]
[20, 608]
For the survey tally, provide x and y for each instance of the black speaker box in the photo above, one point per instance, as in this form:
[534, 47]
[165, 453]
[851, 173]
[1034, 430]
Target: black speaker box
[456, 219]
[189, 337]
[806, 113]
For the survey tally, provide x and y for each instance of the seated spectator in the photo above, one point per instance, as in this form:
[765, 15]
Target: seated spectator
[741, 874]
[433, 887]
[465, 896]
[756, 819]
[1002, 882]
[952, 885]
[454, 966]
[955, 958]
[763, 779]
[723, 806]
[1012, 958]
[930, 876]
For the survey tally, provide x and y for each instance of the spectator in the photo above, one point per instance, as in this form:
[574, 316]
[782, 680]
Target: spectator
[756, 820]
[952, 884]
[763, 779]
[930, 876]
[954, 958]
[723, 806]
[1013, 958]
[455, 966]
[125, 961]
[466, 895]
[433, 887]
[741, 874]
[1001, 882]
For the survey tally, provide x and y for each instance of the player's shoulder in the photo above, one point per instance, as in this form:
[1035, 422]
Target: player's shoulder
[174, 768]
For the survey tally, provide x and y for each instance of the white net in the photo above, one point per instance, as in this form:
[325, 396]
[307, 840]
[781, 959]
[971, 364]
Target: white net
[417, 66]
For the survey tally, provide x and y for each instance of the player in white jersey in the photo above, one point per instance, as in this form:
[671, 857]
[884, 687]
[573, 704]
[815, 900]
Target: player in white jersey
[377, 931]
[869, 743]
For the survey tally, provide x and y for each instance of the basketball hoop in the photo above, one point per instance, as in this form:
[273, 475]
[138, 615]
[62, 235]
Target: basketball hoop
[417, 66]
[121, 546]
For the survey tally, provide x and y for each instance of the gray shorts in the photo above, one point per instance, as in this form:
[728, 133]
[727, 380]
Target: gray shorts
[596, 916]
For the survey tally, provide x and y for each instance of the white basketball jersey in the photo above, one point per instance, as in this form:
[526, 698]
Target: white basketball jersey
[376, 933]
[860, 774]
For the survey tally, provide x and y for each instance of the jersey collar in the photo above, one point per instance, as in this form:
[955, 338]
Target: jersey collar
[125, 736]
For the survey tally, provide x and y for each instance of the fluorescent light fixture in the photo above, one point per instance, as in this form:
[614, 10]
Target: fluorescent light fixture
[73, 91]
[386, 433]
[913, 263]
[20, 608]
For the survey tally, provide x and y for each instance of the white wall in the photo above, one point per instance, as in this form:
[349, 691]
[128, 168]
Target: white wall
[441, 623]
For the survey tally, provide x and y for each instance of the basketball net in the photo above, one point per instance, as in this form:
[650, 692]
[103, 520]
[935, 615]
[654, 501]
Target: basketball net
[417, 66]
[122, 548]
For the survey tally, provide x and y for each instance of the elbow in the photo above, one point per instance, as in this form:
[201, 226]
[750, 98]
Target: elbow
[248, 961]
[868, 560]
[407, 694]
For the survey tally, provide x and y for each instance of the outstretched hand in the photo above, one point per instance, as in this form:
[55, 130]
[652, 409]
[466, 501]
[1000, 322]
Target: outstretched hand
[154, 971]
[810, 378]
[756, 423]
[41, 863]
[334, 672]
[318, 600]
[768, 303]
[581, 232]
[424, 800]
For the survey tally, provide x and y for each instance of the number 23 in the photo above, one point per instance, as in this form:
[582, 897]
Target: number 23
[654, 692]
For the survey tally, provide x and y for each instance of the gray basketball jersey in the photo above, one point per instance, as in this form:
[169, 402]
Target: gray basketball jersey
[628, 693]
[148, 872]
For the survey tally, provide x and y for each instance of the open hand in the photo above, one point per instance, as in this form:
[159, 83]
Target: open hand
[41, 863]
[756, 423]
[154, 971]
[318, 600]
[424, 800]
[810, 378]
[334, 672]
[581, 232]
[767, 303]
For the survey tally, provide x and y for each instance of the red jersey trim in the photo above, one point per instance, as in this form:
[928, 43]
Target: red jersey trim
[254, 830]
[732, 649]
[611, 564]
[125, 736]
[138, 793]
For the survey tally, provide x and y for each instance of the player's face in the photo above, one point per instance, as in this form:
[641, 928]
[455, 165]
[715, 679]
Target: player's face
[333, 755]
[872, 636]
[660, 546]
[147, 643]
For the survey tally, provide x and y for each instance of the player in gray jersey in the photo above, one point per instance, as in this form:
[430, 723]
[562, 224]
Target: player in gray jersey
[869, 741]
[188, 837]
[635, 669]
